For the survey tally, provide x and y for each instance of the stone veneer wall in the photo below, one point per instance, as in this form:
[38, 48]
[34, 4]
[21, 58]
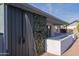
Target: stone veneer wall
[39, 27]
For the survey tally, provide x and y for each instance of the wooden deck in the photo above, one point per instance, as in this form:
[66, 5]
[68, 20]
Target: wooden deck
[72, 51]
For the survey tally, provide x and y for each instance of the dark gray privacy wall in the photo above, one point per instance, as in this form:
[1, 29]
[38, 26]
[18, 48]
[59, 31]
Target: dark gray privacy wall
[1, 25]
[20, 38]
[1, 42]
[14, 24]
[15, 28]
[38, 23]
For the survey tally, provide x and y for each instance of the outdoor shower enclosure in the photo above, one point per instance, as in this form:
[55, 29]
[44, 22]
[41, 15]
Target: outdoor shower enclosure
[24, 31]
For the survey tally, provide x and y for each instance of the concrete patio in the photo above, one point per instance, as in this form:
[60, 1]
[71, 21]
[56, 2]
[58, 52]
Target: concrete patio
[72, 51]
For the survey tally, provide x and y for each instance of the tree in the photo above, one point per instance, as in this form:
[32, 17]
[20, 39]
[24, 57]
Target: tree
[78, 26]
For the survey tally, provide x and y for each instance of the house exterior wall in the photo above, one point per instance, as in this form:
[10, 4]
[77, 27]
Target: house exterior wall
[1, 18]
[72, 27]
[53, 29]
[2, 40]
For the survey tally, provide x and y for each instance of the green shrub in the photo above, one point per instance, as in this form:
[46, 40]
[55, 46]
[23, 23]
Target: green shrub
[78, 26]
[39, 27]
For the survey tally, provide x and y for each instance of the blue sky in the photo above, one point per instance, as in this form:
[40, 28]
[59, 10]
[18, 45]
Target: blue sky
[64, 11]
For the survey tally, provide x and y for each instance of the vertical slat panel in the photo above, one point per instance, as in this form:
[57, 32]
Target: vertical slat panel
[9, 29]
[14, 30]
[18, 33]
[28, 47]
[30, 37]
[20, 45]
[18, 28]
[24, 35]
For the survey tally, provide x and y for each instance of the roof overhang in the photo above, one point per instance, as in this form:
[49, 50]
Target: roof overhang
[33, 9]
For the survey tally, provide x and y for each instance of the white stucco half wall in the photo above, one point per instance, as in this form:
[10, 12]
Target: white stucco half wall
[58, 47]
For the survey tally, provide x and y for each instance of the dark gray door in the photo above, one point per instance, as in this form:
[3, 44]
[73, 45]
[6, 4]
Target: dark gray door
[17, 38]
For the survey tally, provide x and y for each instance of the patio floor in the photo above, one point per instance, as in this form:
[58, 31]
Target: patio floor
[73, 51]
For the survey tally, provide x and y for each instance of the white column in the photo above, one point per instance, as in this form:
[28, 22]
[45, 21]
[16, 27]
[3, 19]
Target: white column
[53, 29]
